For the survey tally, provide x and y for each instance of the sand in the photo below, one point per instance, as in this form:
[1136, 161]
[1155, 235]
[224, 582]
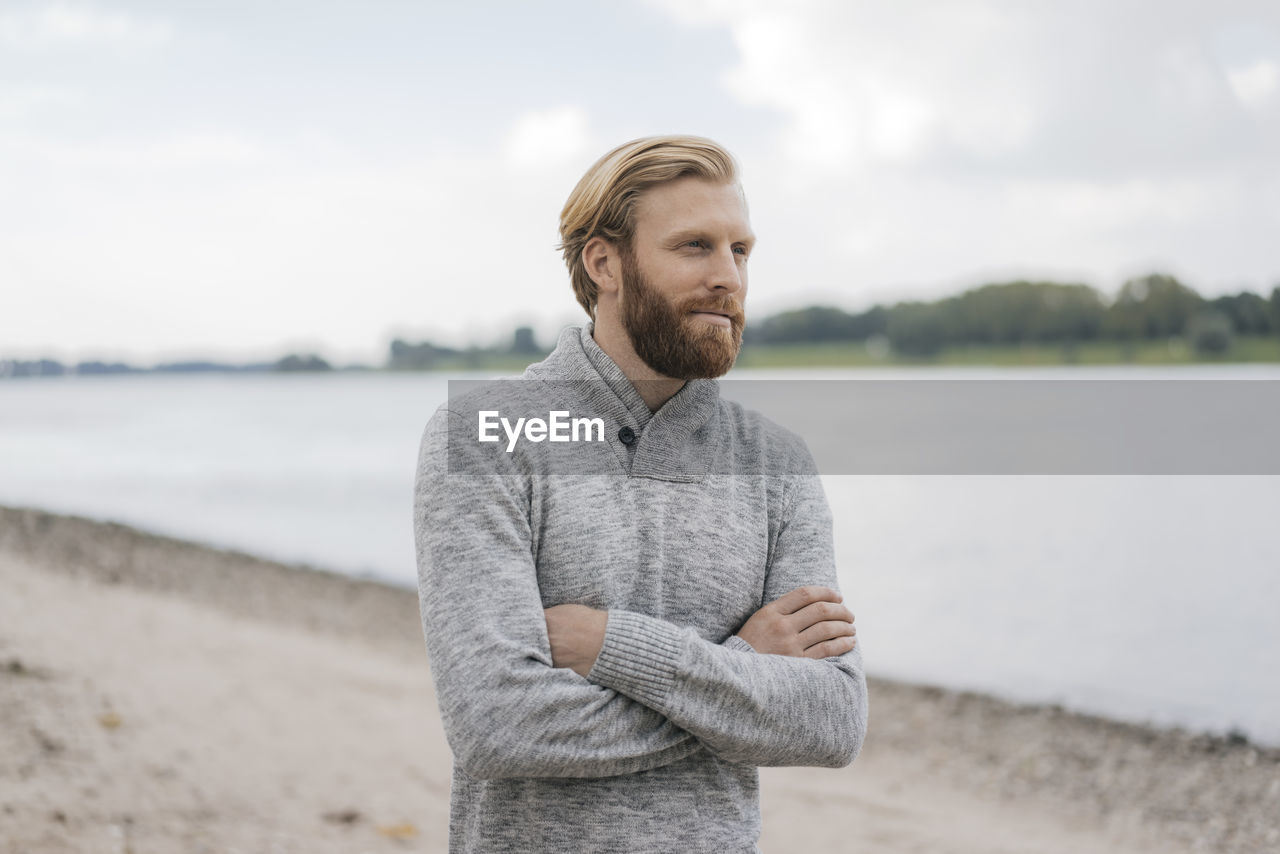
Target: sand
[160, 696]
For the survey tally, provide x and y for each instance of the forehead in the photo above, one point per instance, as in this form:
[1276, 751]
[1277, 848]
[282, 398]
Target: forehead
[693, 204]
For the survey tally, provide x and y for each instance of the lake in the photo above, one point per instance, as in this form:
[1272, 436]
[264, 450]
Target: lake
[1142, 597]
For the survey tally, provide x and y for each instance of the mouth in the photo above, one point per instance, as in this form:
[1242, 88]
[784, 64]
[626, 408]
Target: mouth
[714, 318]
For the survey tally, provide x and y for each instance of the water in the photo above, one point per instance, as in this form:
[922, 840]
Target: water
[1144, 598]
[315, 469]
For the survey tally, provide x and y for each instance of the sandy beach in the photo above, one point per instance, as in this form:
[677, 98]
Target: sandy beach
[161, 696]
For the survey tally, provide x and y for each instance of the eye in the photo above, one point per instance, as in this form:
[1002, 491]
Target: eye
[695, 244]
[740, 250]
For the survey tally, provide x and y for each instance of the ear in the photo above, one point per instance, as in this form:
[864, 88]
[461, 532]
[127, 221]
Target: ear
[603, 264]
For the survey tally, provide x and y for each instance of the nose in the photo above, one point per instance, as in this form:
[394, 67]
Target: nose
[728, 272]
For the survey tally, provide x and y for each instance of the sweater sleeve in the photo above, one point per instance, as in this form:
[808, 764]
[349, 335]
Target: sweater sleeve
[744, 706]
[507, 712]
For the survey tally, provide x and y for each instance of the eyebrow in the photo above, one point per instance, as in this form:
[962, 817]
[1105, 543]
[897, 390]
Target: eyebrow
[700, 234]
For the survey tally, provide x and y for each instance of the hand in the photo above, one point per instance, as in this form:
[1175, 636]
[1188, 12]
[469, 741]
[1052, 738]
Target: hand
[576, 633]
[808, 622]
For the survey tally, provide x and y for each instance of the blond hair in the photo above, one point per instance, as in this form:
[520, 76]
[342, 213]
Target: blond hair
[603, 203]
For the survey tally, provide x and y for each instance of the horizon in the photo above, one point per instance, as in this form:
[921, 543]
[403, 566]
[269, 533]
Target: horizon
[502, 342]
[510, 343]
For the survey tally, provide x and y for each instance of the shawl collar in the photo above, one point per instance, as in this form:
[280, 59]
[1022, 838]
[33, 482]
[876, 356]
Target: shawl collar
[677, 443]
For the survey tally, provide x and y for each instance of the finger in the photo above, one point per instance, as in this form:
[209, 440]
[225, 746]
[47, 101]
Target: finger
[827, 649]
[825, 631]
[819, 612]
[789, 603]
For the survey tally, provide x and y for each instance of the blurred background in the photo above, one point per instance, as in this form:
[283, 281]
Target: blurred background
[244, 246]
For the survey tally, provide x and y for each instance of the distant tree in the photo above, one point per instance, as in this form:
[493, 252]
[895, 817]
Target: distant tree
[1080, 312]
[872, 323]
[1275, 309]
[310, 362]
[204, 367]
[1210, 333]
[38, 368]
[1249, 313]
[1015, 312]
[415, 357]
[1154, 306]
[916, 328]
[397, 354]
[97, 368]
[804, 325]
[35, 368]
[523, 342]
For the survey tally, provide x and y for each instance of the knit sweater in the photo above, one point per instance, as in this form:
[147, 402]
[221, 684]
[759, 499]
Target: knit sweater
[656, 749]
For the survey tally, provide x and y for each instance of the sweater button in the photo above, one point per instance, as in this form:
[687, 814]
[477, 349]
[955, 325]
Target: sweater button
[627, 436]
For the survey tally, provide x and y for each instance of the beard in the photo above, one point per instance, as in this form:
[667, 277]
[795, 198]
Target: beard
[668, 339]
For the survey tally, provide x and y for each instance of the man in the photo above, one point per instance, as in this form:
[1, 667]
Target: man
[621, 631]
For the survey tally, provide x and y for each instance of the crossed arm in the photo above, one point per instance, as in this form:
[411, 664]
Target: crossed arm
[795, 706]
[808, 622]
[655, 693]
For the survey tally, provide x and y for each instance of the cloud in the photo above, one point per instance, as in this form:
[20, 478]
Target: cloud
[20, 101]
[1255, 84]
[547, 138]
[184, 151]
[1038, 88]
[222, 242]
[68, 24]
[866, 83]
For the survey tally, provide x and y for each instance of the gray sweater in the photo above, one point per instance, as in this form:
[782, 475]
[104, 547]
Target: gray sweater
[656, 750]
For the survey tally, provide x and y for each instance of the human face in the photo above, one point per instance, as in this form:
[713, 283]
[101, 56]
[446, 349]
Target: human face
[685, 278]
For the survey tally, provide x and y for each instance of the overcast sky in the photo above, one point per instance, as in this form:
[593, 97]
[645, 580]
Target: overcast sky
[241, 178]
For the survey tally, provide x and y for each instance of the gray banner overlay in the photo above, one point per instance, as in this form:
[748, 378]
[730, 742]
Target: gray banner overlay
[912, 427]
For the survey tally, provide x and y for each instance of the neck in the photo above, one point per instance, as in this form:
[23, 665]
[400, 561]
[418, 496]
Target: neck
[654, 388]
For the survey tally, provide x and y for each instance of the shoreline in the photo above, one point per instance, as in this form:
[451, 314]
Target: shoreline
[128, 555]
[935, 762]
[870, 352]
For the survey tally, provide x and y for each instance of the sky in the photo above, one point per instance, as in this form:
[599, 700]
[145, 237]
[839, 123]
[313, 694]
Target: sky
[240, 179]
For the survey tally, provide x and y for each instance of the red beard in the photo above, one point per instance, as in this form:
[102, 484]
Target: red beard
[668, 339]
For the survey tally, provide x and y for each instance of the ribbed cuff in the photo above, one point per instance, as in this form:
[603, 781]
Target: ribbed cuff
[735, 642]
[638, 658]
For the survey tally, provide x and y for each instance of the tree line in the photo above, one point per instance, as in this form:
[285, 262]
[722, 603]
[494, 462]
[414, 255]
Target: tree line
[294, 362]
[1155, 306]
[1152, 307]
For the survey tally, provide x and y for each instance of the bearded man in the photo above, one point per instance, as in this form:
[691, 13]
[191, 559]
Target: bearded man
[619, 641]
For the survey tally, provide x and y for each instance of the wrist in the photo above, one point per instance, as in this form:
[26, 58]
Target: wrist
[576, 634]
[594, 629]
[639, 658]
